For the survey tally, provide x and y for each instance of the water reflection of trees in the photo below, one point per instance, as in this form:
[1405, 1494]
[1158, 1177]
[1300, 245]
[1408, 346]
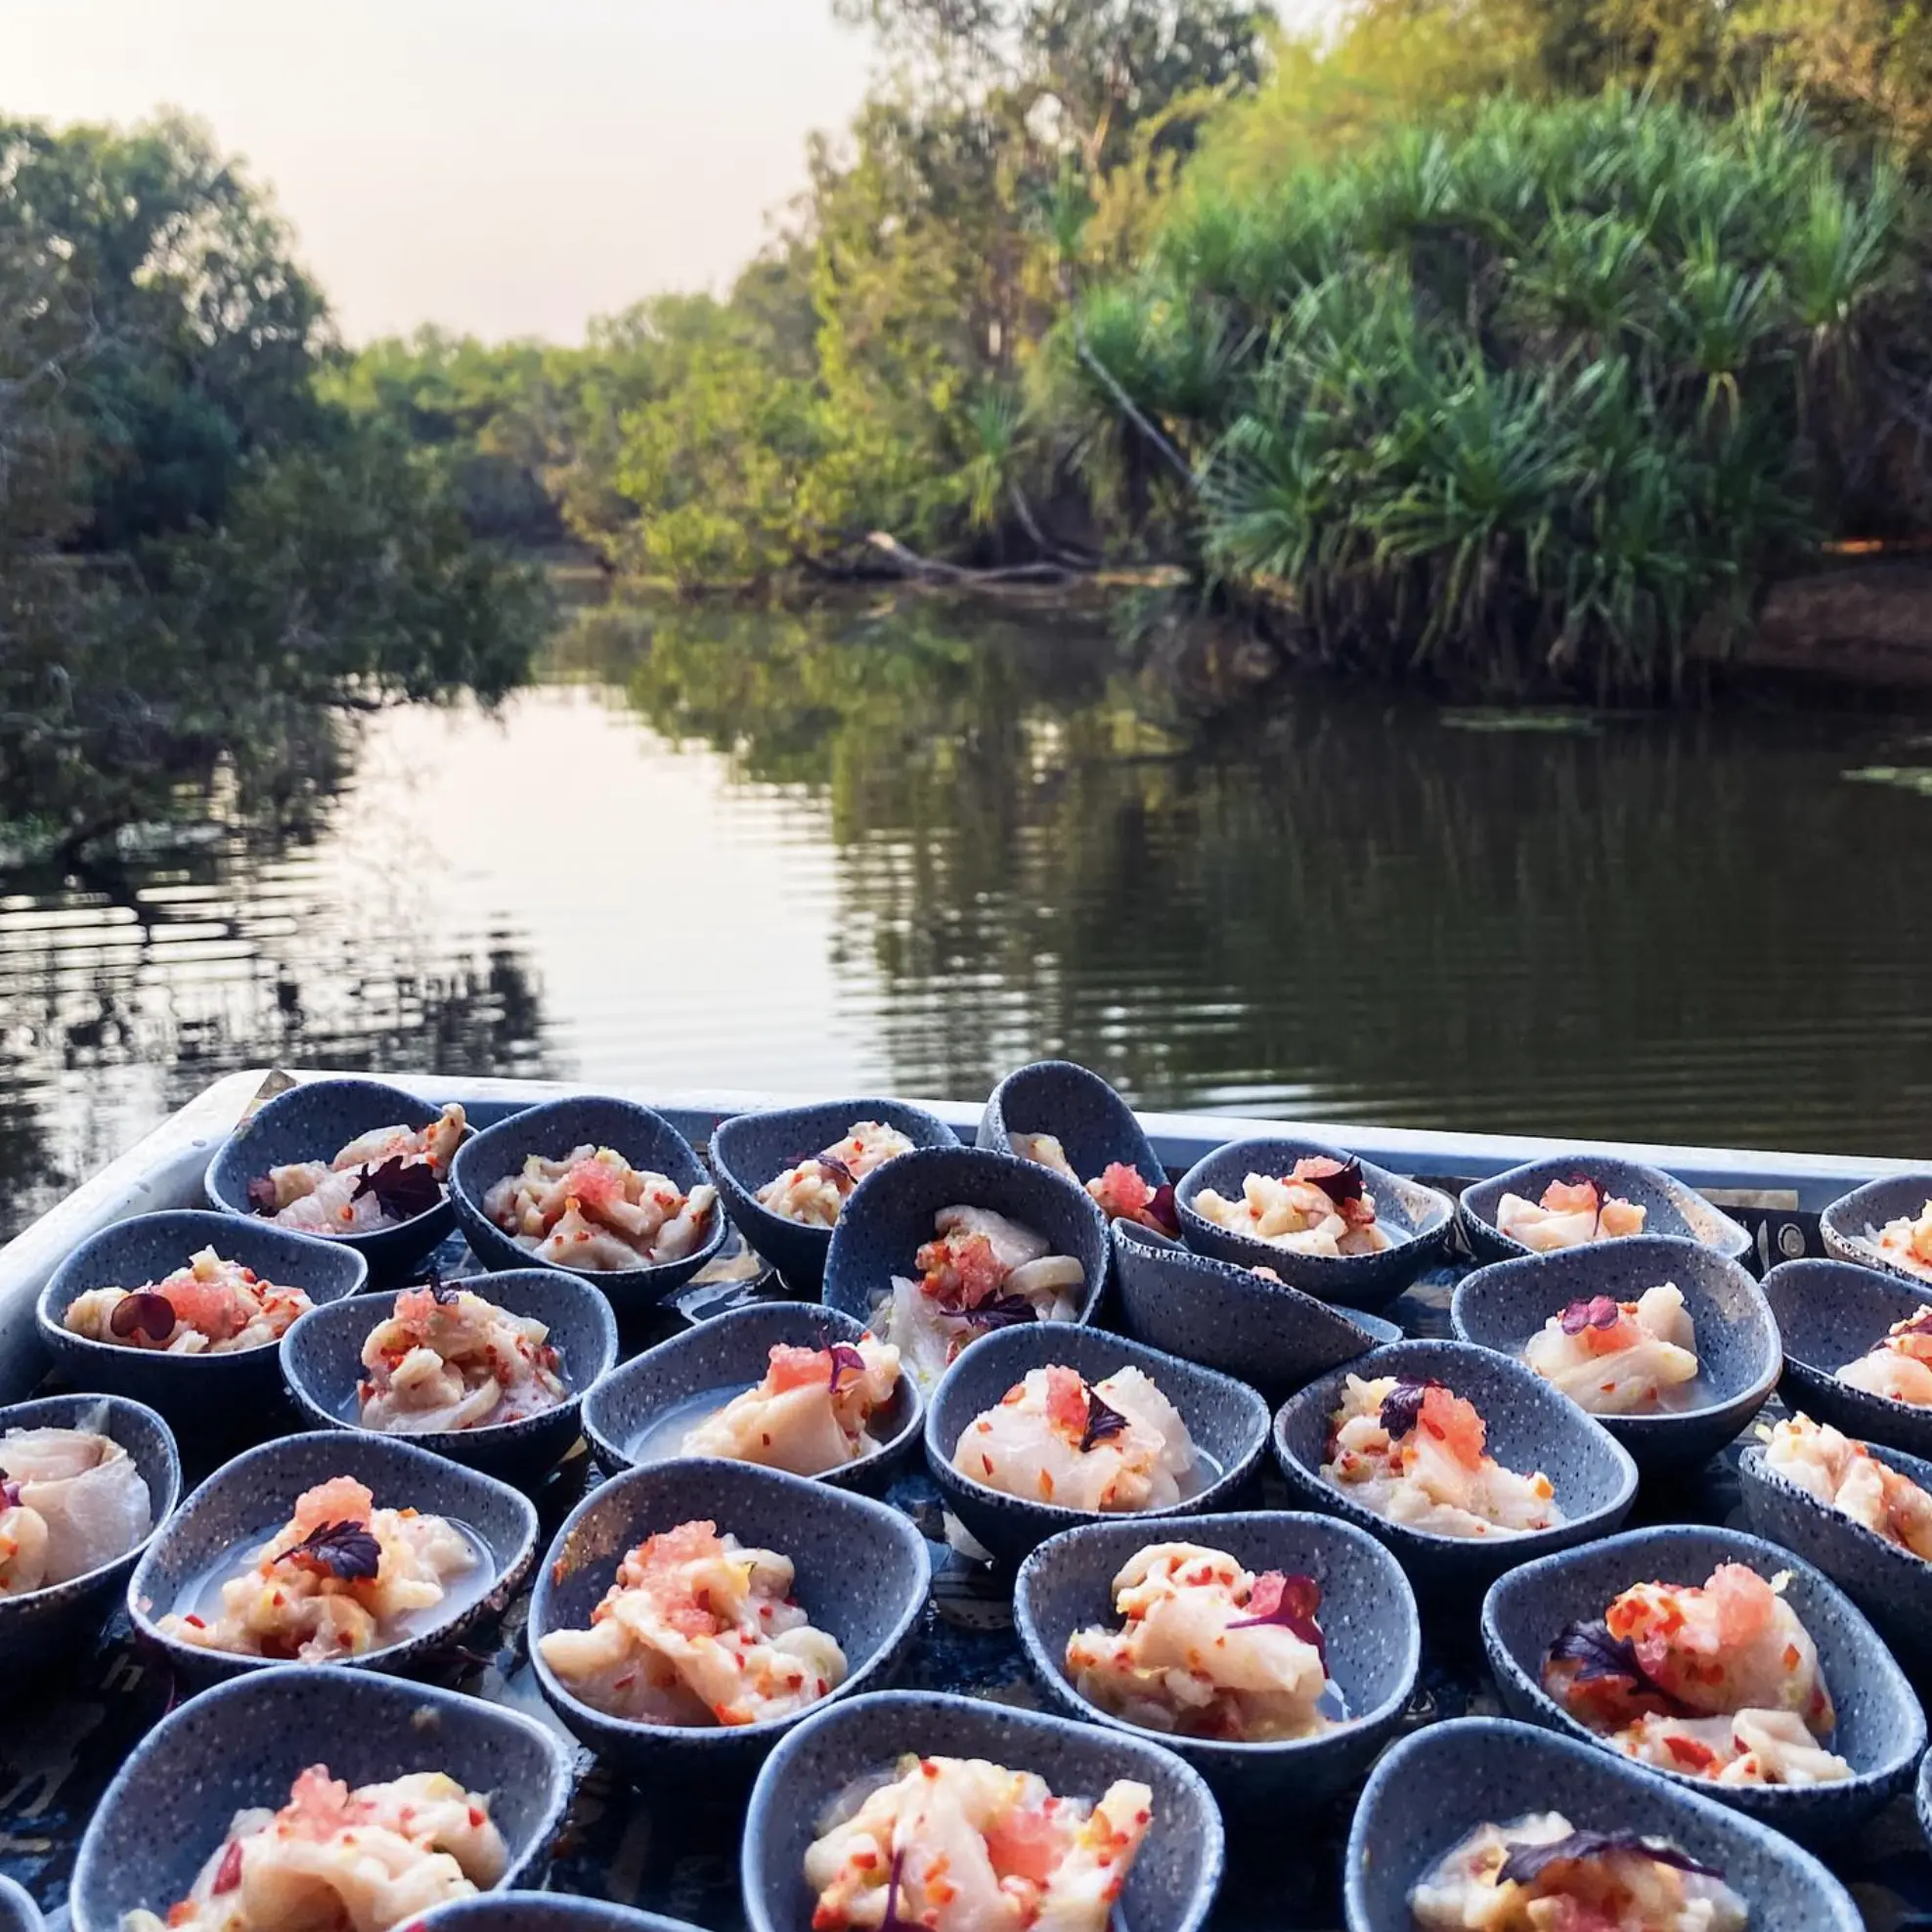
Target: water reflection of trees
[221, 960]
[1664, 928]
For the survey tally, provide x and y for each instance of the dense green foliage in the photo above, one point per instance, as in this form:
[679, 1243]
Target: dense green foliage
[203, 561]
[1539, 395]
[1514, 342]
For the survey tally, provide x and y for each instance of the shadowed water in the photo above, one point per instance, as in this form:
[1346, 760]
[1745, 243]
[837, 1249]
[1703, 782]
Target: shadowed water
[746, 849]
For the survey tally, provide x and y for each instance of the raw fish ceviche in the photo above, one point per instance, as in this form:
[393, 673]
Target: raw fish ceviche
[448, 1359]
[1618, 1358]
[69, 1501]
[592, 1211]
[210, 1307]
[336, 1580]
[1207, 1649]
[1321, 1208]
[1121, 1192]
[1907, 1243]
[813, 1191]
[1570, 1214]
[1720, 1682]
[365, 1859]
[1846, 1476]
[1899, 1365]
[697, 1630]
[962, 1845]
[380, 1179]
[1542, 1875]
[1414, 1452]
[1117, 1444]
[809, 1412]
[978, 1272]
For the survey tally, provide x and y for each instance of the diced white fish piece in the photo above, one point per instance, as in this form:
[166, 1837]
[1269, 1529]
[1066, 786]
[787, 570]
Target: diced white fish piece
[1044, 1151]
[921, 1846]
[1012, 1244]
[1845, 1476]
[1467, 1892]
[1622, 1362]
[90, 1500]
[806, 1414]
[1031, 1444]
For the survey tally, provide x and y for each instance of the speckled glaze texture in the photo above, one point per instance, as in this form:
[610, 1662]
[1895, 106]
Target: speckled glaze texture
[17, 1910]
[1439, 1784]
[231, 1395]
[1829, 1313]
[321, 1362]
[1844, 1223]
[543, 1912]
[1368, 1617]
[1738, 1354]
[315, 1122]
[43, 1624]
[1921, 1797]
[1418, 1214]
[729, 1354]
[1224, 1417]
[1224, 1316]
[1669, 1206]
[888, 1218]
[862, 1573]
[1531, 1427]
[1880, 1730]
[246, 1500]
[1093, 1124]
[245, 1745]
[646, 1139]
[1888, 1583]
[1175, 1878]
[751, 1149]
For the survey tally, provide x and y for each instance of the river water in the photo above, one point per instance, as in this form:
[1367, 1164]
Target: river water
[910, 848]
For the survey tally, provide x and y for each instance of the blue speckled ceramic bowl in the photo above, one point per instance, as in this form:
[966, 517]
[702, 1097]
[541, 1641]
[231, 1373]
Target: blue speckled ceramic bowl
[248, 1500]
[1368, 1618]
[1669, 1206]
[1921, 1796]
[646, 1139]
[1224, 1316]
[862, 1573]
[1531, 1427]
[1880, 1731]
[232, 1395]
[890, 1218]
[17, 1910]
[1175, 1878]
[1227, 1421]
[751, 1149]
[638, 1414]
[1093, 1124]
[1415, 1217]
[1851, 1224]
[314, 1121]
[42, 1624]
[170, 1805]
[1738, 1354]
[1888, 1583]
[543, 1912]
[321, 1360]
[1437, 1785]
[1829, 1313]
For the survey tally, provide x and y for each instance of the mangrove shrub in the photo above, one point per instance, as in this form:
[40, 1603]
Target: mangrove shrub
[1530, 402]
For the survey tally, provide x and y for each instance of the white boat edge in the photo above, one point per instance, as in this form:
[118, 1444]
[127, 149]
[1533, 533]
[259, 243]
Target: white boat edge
[165, 1168]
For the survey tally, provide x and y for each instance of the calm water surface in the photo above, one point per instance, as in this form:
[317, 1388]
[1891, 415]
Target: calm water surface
[757, 851]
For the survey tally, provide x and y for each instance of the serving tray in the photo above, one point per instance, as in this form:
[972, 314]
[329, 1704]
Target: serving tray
[676, 1851]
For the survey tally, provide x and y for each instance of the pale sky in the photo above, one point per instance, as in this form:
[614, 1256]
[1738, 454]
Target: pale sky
[506, 166]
